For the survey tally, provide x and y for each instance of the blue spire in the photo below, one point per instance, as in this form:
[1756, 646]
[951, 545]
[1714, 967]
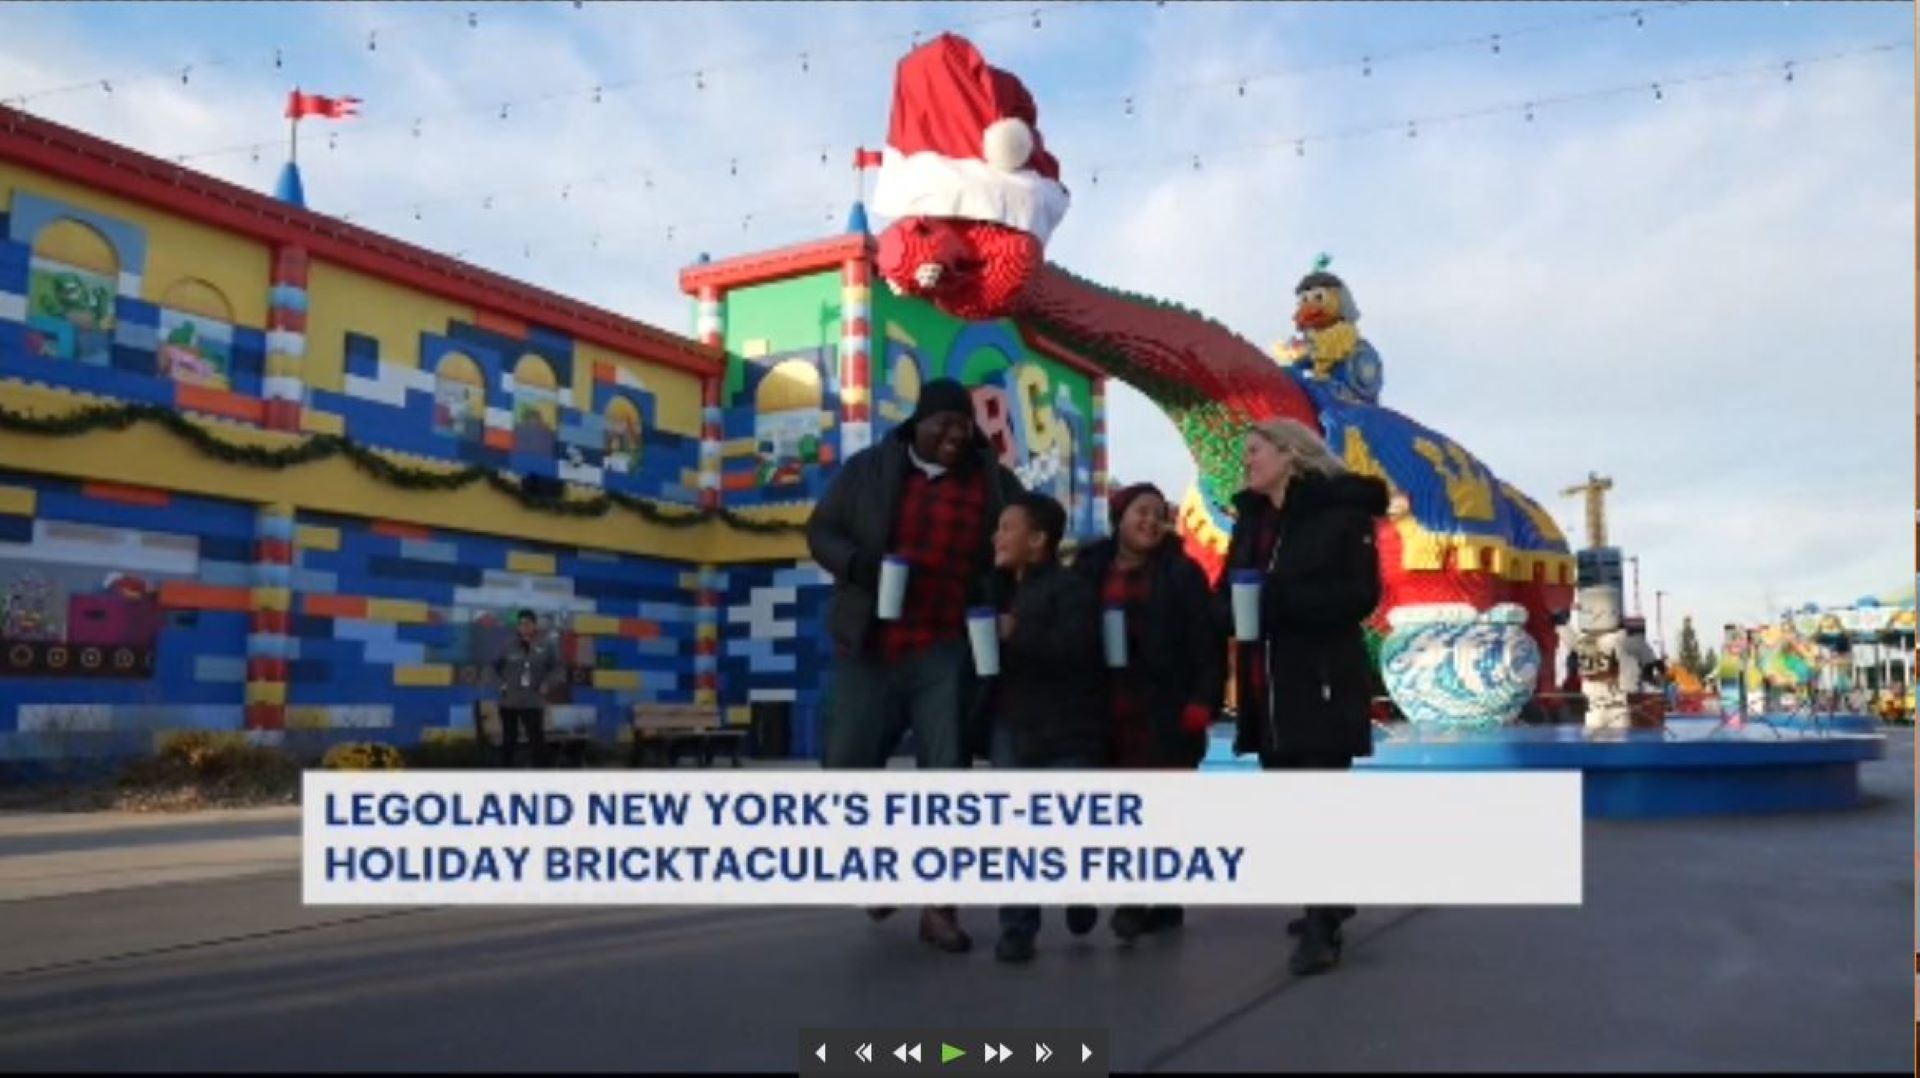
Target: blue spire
[857, 219]
[289, 189]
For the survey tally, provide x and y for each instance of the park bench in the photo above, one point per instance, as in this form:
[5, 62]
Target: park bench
[662, 731]
[566, 741]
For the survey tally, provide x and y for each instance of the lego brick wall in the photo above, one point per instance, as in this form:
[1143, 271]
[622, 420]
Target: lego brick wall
[77, 311]
[483, 397]
[774, 647]
[123, 613]
[393, 623]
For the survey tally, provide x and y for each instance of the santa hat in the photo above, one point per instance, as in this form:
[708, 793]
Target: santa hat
[964, 142]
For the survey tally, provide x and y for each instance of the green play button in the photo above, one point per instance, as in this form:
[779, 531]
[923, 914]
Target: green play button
[948, 1053]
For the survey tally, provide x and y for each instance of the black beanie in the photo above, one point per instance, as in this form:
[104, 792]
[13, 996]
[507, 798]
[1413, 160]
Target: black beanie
[942, 395]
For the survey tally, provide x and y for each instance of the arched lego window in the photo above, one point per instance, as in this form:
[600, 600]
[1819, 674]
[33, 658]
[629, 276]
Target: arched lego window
[196, 334]
[459, 398]
[536, 407]
[623, 435]
[786, 422]
[72, 283]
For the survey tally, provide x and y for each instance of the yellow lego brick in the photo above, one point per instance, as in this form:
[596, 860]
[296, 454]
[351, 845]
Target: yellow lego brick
[420, 677]
[18, 501]
[706, 631]
[737, 716]
[616, 679]
[273, 598]
[266, 692]
[690, 580]
[311, 537]
[595, 625]
[739, 447]
[703, 697]
[322, 422]
[308, 718]
[755, 348]
[282, 365]
[521, 561]
[854, 395]
[857, 293]
[400, 611]
[442, 735]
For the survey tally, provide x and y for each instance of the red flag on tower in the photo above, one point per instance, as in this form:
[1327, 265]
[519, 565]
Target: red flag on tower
[865, 159]
[301, 105]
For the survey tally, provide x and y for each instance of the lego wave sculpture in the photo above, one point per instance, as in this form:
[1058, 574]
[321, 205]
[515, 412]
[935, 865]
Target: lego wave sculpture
[974, 195]
[1449, 665]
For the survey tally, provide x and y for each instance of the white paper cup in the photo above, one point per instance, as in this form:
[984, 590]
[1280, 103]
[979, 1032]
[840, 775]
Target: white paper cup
[893, 587]
[1113, 633]
[983, 632]
[1246, 605]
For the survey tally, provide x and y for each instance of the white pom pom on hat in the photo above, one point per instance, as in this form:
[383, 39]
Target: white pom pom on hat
[1007, 144]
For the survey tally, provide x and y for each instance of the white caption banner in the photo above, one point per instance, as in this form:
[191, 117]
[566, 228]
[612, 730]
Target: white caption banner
[879, 838]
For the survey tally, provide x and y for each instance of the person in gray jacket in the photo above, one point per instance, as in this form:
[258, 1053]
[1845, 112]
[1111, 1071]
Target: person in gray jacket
[529, 670]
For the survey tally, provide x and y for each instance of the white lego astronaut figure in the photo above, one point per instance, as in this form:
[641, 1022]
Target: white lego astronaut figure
[1608, 668]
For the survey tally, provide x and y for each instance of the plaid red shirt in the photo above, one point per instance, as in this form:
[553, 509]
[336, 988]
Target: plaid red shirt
[1133, 742]
[940, 531]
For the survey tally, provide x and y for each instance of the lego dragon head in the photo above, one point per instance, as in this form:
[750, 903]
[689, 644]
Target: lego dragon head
[971, 189]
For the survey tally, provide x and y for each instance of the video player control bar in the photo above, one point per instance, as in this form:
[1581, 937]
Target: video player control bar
[955, 1051]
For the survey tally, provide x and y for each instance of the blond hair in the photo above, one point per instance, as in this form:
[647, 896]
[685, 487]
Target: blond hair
[1303, 443]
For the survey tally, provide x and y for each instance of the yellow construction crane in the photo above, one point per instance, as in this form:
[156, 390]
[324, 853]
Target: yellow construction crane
[1595, 489]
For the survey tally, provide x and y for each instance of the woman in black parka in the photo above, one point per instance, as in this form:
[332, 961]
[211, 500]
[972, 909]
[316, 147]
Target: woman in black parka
[1304, 688]
[1165, 699]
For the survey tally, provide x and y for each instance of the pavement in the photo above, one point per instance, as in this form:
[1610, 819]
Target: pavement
[176, 943]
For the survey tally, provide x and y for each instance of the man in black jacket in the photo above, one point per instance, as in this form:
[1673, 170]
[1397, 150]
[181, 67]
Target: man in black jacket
[1045, 705]
[928, 494]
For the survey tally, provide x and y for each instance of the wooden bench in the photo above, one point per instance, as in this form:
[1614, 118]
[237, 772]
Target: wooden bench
[564, 743]
[662, 731]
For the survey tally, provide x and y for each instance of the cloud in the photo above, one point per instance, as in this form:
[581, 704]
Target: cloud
[1708, 298]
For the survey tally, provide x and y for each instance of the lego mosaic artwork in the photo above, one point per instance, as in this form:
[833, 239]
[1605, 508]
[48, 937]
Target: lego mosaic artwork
[126, 612]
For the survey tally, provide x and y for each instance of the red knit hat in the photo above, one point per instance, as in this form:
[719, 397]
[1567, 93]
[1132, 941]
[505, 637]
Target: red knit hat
[964, 141]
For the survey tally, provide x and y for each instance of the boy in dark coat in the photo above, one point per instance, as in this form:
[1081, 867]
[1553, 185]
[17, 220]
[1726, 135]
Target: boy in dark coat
[1044, 707]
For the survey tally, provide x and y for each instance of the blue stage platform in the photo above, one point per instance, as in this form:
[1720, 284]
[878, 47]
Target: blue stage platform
[1694, 768]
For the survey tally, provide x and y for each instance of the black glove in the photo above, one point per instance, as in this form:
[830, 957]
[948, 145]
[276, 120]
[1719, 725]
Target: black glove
[864, 569]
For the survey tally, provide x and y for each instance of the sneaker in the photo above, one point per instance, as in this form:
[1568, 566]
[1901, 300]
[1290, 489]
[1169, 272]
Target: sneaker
[1081, 919]
[1166, 918]
[1014, 947]
[877, 914]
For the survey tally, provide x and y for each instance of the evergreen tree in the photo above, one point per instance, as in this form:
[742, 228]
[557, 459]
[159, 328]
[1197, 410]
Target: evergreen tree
[1709, 664]
[1690, 649]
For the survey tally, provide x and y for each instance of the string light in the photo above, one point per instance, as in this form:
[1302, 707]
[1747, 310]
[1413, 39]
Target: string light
[1299, 147]
[473, 20]
[1529, 112]
[186, 74]
[1129, 106]
[1366, 67]
[1413, 129]
[106, 85]
[503, 111]
[486, 203]
[699, 80]
[804, 65]
[1243, 87]
[1196, 162]
[596, 95]
[278, 60]
[1639, 21]
[373, 41]
[333, 140]
[1657, 95]
[1789, 70]
[733, 167]
[1496, 44]
[1036, 18]
[416, 128]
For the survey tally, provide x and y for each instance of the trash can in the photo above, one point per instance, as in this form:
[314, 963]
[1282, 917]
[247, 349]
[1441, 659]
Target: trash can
[772, 729]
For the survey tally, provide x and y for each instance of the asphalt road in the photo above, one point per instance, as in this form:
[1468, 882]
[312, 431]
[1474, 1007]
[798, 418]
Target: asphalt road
[1746, 944]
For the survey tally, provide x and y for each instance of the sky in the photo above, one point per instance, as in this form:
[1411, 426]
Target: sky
[1700, 284]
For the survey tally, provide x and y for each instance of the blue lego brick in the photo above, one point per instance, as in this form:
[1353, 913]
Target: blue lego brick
[220, 668]
[16, 529]
[312, 580]
[226, 574]
[309, 628]
[13, 341]
[136, 360]
[402, 569]
[227, 548]
[428, 550]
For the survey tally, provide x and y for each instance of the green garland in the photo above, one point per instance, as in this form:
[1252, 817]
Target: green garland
[318, 447]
